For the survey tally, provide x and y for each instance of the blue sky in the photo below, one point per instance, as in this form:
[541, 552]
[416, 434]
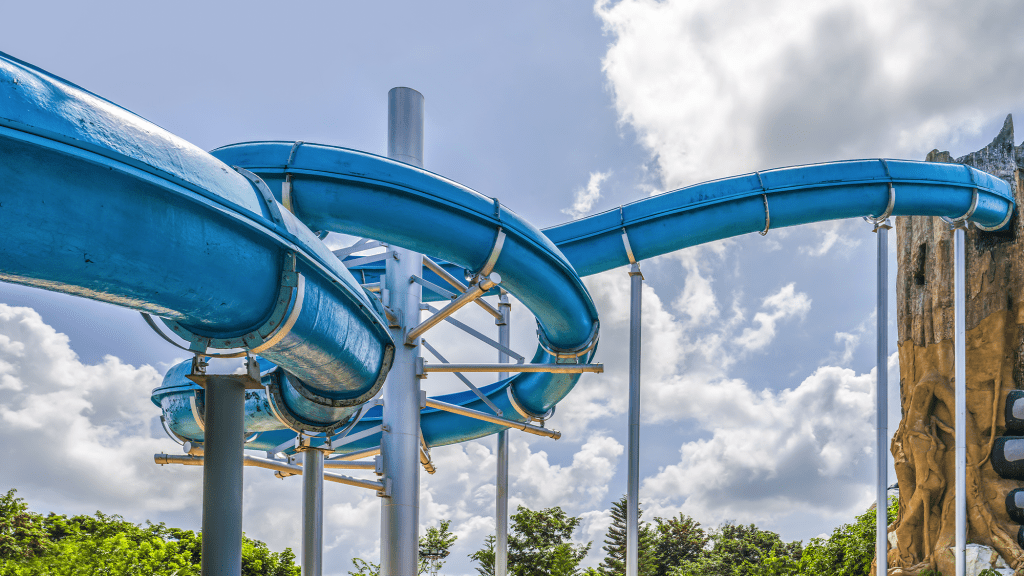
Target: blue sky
[758, 403]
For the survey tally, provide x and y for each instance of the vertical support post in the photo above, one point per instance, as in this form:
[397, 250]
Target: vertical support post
[960, 392]
[882, 401]
[501, 490]
[636, 280]
[312, 512]
[222, 476]
[400, 440]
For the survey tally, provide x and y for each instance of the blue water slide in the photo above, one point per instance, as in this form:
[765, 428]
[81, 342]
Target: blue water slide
[354, 192]
[100, 203]
[779, 198]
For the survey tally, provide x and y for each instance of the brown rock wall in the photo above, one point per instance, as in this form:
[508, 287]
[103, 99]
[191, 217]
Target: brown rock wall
[923, 445]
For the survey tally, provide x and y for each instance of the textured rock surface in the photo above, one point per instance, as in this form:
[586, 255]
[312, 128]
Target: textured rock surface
[923, 447]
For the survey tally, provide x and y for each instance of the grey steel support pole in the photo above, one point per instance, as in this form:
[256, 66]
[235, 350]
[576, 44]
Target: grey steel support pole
[636, 280]
[312, 512]
[960, 393]
[501, 490]
[882, 401]
[222, 477]
[400, 440]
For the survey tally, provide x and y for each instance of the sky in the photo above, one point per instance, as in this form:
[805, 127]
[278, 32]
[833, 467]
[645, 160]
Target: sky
[759, 368]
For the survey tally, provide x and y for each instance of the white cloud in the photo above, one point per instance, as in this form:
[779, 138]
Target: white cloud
[784, 304]
[716, 88]
[807, 447]
[87, 427]
[584, 482]
[585, 198]
[832, 234]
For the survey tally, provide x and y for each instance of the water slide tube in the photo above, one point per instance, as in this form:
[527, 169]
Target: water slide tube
[226, 265]
[357, 193]
[352, 192]
[100, 203]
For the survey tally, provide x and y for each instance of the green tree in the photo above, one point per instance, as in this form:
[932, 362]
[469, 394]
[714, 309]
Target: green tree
[677, 540]
[739, 550]
[850, 549]
[539, 544]
[484, 557]
[614, 563]
[435, 546]
[364, 568]
[23, 534]
[58, 545]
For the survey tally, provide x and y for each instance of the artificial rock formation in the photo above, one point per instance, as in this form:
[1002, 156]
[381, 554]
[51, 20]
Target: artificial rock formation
[923, 446]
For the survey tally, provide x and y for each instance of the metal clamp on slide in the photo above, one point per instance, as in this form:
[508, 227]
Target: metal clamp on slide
[277, 325]
[974, 204]
[276, 380]
[526, 413]
[882, 221]
[492, 258]
[961, 221]
[570, 356]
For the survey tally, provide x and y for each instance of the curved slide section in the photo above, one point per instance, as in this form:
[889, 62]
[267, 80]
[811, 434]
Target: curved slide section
[357, 193]
[779, 198]
[100, 203]
[331, 186]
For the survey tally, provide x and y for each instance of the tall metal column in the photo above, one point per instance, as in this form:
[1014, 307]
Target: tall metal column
[222, 476]
[960, 392]
[882, 401]
[636, 280]
[501, 489]
[400, 441]
[312, 512]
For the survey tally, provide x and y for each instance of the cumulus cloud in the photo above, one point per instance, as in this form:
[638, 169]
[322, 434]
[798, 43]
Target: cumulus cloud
[88, 427]
[716, 88]
[805, 447]
[832, 234]
[784, 304]
[585, 198]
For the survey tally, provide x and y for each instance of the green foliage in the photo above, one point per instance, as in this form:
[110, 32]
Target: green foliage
[435, 546]
[23, 535]
[738, 550]
[58, 545]
[484, 557]
[677, 540]
[614, 563]
[364, 568]
[539, 544]
[850, 549]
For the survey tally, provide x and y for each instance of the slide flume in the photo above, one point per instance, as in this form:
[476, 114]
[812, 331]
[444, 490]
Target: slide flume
[100, 203]
[349, 191]
[103, 204]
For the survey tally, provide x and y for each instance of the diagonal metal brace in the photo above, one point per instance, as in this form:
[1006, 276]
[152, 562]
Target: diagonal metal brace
[474, 292]
[465, 380]
[440, 271]
[479, 336]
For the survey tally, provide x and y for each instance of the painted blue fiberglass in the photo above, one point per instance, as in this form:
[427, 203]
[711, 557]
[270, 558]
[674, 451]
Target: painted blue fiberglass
[355, 192]
[103, 204]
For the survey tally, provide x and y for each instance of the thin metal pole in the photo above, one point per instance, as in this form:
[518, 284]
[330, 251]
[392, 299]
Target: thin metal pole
[400, 440]
[882, 402]
[960, 391]
[501, 491]
[636, 280]
[222, 477]
[312, 512]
